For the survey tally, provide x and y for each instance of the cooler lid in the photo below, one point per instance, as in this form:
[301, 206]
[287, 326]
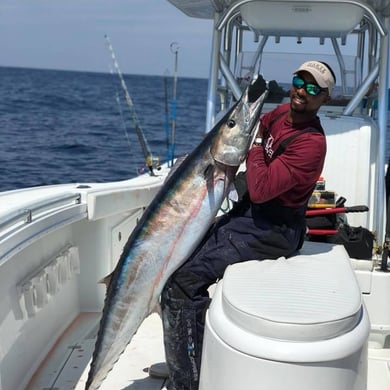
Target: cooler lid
[303, 298]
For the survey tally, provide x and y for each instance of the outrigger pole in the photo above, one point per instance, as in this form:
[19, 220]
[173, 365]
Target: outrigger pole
[141, 137]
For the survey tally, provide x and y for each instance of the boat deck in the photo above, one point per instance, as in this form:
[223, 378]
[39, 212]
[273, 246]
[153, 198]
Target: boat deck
[67, 365]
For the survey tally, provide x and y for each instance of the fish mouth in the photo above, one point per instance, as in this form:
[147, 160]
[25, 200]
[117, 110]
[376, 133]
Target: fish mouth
[235, 150]
[256, 106]
[255, 109]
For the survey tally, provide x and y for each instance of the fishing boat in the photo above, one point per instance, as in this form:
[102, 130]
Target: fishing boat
[318, 320]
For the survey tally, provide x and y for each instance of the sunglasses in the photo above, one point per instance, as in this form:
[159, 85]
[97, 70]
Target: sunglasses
[311, 89]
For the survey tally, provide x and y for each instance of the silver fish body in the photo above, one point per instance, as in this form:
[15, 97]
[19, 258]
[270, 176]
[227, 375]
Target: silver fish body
[168, 232]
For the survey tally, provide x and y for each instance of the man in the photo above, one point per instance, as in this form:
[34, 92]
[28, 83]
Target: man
[283, 166]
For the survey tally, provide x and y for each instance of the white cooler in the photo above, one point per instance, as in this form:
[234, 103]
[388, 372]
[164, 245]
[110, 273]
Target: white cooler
[287, 324]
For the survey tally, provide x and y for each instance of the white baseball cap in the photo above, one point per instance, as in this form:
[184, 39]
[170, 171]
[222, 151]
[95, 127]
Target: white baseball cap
[320, 72]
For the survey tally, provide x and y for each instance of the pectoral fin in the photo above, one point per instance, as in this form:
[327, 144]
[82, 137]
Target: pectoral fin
[106, 280]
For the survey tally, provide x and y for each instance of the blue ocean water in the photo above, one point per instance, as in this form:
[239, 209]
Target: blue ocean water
[75, 127]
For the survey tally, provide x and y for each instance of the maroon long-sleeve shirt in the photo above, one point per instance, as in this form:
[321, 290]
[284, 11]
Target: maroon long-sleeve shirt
[291, 176]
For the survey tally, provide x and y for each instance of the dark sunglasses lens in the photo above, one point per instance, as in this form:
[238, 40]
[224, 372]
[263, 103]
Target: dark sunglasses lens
[298, 82]
[313, 89]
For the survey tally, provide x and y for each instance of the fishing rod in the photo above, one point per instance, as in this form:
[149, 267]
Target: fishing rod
[174, 49]
[141, 137]
[166, 122]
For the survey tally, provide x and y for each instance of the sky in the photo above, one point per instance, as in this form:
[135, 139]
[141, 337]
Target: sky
[69, 35]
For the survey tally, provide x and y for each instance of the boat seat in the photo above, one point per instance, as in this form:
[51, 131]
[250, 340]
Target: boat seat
[276, 320]
[303, 298]
[311, 297]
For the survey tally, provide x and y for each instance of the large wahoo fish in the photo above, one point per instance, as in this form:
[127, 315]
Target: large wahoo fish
[168, 232]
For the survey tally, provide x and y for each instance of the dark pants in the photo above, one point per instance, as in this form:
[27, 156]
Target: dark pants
[236, 237]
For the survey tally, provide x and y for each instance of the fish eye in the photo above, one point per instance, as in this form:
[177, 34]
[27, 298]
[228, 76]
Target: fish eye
[231, 123]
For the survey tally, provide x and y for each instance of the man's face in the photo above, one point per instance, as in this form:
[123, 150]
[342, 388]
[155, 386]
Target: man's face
[301, 101]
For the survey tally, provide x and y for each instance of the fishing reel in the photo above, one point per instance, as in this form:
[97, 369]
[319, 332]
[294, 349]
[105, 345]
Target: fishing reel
[151, 163]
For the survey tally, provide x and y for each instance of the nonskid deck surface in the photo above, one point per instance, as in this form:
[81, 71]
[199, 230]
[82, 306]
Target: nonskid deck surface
[378, 368]
[67, 365]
